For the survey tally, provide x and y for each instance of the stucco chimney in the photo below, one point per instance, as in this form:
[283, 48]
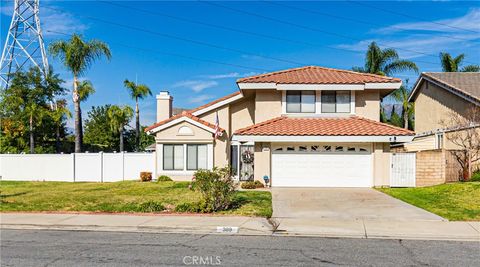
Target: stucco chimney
[164, 106]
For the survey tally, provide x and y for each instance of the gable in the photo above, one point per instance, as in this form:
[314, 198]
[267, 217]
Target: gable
[184, 131]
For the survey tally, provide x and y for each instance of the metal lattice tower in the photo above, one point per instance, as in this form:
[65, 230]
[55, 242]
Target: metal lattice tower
[24, 45]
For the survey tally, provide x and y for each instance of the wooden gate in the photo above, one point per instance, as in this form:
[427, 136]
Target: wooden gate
[402, 170]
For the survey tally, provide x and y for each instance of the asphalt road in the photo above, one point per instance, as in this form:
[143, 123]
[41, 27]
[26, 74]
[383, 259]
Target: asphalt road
[74, 248]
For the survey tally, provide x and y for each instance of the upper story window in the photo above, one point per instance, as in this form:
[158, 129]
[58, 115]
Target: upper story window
[300, 101]
[336, 102]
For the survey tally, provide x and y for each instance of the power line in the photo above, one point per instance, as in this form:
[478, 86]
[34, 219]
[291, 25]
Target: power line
[311, 28]
[282, 4]
[271, 37]
[178, 55]
[409, 16]
[170, 36]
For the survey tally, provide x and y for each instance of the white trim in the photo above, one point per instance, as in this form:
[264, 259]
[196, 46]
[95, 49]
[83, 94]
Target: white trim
[383, 85]
[352, 103]
[324, 87]
[322, 138]
[345, 86]
[217, 105]
[177, 121]
[257, 85]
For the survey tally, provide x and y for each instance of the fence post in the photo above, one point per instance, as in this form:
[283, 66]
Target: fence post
[123, 166]
[73, 162]
[101, 166]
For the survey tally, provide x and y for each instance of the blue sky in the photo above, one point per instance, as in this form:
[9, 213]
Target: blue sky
[196, 50]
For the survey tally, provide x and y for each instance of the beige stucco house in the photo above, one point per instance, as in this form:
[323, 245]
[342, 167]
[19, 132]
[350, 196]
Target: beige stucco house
[309, 126]
[436, 95]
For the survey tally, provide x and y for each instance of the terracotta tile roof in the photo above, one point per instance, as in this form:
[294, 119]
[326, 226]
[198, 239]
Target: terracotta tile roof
[345, 126]
[317, 75]
[183, 114]
[467, 83]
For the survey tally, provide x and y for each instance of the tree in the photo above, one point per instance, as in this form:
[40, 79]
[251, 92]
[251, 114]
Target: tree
[59, 114]
[452, 64]
[137, 92]
[119, 118]
[25, 109]
[77, 56]
[464, 133]
[395, 119]
[384, 61]
[401, 96]
[98, 133]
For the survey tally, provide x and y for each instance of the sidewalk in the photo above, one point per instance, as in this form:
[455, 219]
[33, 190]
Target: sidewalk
[427, 230]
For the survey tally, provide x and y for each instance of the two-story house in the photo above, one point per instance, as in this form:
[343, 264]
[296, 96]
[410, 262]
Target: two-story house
[308, 127]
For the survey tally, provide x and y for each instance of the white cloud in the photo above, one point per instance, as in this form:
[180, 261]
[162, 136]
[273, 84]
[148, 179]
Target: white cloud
[427, 38]
[469, 22]
[52, 21]
[228, 75]
[200, 98]
[196, 85]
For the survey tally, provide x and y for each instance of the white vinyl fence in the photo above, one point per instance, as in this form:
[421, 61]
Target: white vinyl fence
[76, 167]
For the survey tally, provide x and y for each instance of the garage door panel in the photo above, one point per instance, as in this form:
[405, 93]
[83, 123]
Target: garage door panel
[321, 170]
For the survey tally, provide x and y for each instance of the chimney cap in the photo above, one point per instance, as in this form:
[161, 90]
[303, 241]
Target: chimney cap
[164, 95]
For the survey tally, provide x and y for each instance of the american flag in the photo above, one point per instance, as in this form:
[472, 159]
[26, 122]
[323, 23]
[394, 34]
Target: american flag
[217, 133]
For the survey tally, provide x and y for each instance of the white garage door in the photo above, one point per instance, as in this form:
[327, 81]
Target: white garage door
[322, 166]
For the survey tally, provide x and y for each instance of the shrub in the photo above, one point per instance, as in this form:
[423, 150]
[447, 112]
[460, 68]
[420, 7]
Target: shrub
[216, 188]
[145, 176]
[164, 178]
[251, 185]
[150, 206]
[475, 176]
[190, 207]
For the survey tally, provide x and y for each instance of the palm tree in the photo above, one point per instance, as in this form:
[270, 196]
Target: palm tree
[77, 56]
[137, 91]
[119, 118]
[452, 64]
[401, 96]
[384, 61]
[59, 112]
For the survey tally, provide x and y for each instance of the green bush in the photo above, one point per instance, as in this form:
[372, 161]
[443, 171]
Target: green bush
[216, 188]
[252, 185]
[145, 176]
[190, 207]
[164, 178]
[475, 176]
[150, 206]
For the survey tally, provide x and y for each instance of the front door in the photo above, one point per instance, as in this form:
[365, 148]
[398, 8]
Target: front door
[241, 161]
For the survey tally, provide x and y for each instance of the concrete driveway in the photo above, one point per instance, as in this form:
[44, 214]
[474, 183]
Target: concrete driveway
[344, 204]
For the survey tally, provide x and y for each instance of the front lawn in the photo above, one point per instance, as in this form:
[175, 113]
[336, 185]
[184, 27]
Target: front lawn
[455, 201]
[129, 196]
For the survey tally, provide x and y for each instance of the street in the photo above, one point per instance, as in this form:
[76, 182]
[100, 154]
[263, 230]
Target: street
[84, 248]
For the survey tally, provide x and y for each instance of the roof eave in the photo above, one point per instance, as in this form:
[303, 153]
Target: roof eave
[324, 138]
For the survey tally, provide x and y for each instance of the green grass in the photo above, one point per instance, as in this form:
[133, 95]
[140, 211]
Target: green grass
[455, 201]
[128, 196]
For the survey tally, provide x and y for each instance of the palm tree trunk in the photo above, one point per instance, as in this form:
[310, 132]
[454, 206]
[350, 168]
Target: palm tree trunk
[78, 117]
[32, 140]
[121, 140]
[137, 125]
[405, 119]
[57, 138]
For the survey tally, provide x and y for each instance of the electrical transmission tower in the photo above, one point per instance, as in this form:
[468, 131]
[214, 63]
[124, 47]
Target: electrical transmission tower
[24, 45]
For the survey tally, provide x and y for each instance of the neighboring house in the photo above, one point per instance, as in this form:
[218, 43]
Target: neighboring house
[309, 126]
[436, 95]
